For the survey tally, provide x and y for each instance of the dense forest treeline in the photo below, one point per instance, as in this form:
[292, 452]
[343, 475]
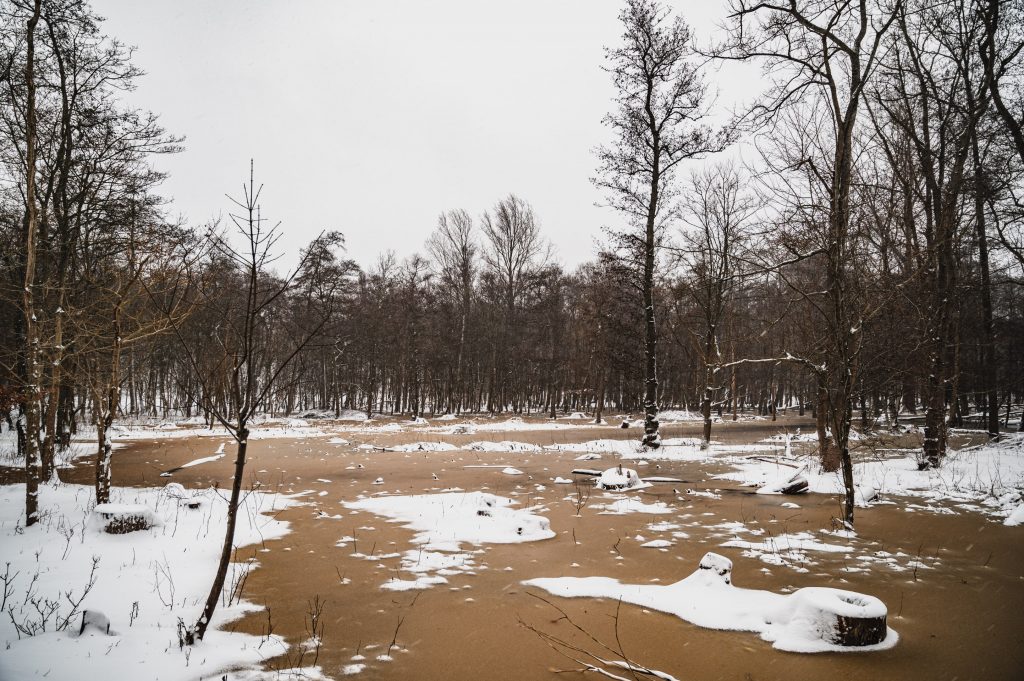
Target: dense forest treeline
[866, 262]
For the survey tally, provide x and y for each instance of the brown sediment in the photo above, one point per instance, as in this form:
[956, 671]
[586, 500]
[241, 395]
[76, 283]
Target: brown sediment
[959, 617]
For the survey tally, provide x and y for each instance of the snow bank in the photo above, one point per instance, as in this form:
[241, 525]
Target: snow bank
[990, 476]
[292, 428]
[422, 447]
[503, 446]
[144, 581]
[803, 621]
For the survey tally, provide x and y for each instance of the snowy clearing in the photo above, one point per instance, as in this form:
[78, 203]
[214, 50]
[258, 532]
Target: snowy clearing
[144, 582]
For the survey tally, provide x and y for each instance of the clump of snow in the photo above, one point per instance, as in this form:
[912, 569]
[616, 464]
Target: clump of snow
[803, 621]
[618, 478]
[631, 505]
[503, 446]
[787, 549]
[795, 483]
[512, 471]
[1016, 517]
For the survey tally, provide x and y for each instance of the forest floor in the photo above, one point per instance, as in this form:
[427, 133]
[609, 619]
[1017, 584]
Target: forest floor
[433, 600]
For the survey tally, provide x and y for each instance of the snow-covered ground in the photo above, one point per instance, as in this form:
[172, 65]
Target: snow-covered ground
[144, 584]
[987, 478]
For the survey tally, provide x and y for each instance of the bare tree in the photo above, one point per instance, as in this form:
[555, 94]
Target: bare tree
[824, 50]
[513, 249]
[661, 103]
[245, 339]
[455, 251]
[718, 210]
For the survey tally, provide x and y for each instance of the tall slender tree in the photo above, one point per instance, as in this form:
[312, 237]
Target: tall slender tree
[661, 104]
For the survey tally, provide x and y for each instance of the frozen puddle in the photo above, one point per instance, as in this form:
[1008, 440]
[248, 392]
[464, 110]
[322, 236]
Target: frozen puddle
[809, 620]
[443, 522]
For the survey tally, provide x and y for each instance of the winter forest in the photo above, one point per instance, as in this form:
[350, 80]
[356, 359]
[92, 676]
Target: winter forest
[790, 348]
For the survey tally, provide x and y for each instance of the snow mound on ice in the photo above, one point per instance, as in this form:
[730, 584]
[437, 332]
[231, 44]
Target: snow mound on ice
[618, 478]
[445, 520]
[630, 505]
[796, 622]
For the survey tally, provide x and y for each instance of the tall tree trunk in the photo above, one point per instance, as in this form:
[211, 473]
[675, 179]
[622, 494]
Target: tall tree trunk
[652, 438]
[31, 349]
[988, 362]
[710, 362]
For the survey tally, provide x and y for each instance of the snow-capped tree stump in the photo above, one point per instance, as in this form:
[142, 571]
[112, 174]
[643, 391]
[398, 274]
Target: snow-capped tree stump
[92, 619]
[125, 518]
[840, 617]
[717, 565]
[618, 478]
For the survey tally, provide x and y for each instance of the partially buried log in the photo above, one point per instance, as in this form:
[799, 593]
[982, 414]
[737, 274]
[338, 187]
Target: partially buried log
[125, 518]
[795, 484]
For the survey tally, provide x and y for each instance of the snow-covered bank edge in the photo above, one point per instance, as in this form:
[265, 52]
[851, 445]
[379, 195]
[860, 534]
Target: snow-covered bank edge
[987, 478]
[146, 583]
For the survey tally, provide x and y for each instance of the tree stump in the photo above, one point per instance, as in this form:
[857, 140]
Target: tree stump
[844, 618]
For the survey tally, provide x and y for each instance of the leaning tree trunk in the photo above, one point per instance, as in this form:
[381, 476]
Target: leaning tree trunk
[199, 630]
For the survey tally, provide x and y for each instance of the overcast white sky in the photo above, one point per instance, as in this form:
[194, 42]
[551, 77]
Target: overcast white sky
[373, 117]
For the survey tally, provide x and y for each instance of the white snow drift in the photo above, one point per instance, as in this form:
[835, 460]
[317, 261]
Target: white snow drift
[801, 622]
